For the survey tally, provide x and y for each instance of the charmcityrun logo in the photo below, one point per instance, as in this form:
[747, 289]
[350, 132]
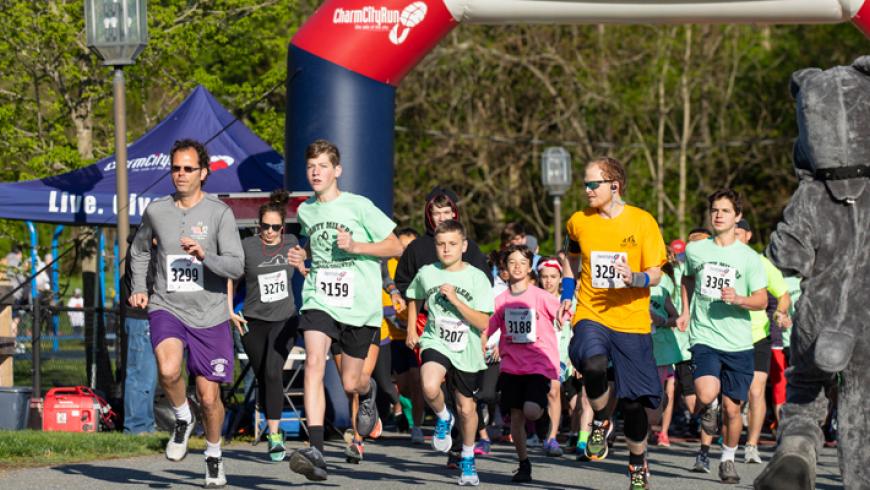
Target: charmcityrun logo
[700, 267]
[382, 19]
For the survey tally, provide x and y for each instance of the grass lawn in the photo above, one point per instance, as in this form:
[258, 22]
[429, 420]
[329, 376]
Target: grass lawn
[27, 448]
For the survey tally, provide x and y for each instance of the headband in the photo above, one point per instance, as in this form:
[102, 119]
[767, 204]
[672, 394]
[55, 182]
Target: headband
[550, 263]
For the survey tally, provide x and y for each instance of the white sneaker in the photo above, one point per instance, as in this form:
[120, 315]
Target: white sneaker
[214, 473]
[417, 436]
[751, 456]
[176, 448]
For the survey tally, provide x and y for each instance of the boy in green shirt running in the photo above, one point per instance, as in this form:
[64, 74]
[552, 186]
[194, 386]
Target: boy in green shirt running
[460, 301]
[723, 280]
[341, 297]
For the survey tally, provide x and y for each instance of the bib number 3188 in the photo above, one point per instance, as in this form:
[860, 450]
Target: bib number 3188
[520, 325]
[335, 287]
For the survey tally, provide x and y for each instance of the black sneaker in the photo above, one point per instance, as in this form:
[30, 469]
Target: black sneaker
[367, 415]
[214, 473]
[309, 463]
[728, 473]
[176, 447]
[453, 458]
[523, 474]
[572, 444]
[710, 419]
[702, 463]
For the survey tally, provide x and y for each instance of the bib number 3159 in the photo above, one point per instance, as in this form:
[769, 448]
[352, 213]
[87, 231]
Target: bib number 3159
[603, 270]
[335, 287]
[453, 332]
[716, 277]
[520, 325]
[183, 273]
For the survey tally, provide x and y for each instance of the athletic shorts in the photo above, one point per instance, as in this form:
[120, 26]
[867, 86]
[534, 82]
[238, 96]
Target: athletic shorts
[634, 367]
[777, 380]
[665, 373]
[517, 389]
[733, 369]
[209, 350]
[572, 387]
[466, 383]
[403, 357]
[352, 341]
[761, 351]
[683, 374]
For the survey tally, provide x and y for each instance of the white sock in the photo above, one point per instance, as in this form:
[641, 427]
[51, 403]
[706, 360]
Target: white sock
[212, 449]
[728, 453]
[467, 451]
[183, 412]
[443, 414]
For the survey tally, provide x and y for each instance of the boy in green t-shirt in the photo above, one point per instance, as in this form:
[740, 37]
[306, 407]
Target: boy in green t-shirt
[723, 280]
[341, 297]
[460, 301]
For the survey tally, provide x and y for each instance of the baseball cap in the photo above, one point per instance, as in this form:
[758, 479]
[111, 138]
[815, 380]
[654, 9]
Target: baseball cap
[678, 246]
[744, 225]
[531, 242]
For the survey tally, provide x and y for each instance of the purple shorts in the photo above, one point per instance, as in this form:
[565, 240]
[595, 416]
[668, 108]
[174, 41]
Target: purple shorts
[209, 350]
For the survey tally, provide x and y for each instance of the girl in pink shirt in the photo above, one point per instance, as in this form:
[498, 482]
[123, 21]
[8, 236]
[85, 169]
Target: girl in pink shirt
[528, 347]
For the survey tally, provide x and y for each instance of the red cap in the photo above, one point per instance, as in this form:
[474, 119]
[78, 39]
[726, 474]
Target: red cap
[678, 246]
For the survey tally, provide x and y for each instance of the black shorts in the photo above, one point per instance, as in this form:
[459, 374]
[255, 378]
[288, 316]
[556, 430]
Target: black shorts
[351, 340]
[466, 383]
[517, 389]
[403, 357]
[683, 374]
[572, 387]
[762, 355]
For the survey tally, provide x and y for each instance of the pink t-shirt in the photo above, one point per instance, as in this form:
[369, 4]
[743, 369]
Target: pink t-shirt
[528, 342]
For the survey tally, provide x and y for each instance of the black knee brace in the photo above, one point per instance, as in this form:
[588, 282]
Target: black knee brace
[594, 370]
[636, 425]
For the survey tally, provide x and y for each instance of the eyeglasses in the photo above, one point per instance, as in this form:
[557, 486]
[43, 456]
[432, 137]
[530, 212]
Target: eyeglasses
[595, 184]
[266, 226]
[187, 170]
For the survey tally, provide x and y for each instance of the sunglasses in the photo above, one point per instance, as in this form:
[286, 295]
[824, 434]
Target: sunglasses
[266, 226]
[187, 170]
[595, 184]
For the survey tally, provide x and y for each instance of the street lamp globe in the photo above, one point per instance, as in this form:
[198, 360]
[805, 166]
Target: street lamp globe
[117, 30]
[556, 170]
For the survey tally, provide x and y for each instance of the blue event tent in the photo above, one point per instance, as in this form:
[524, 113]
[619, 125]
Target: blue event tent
[240, 161]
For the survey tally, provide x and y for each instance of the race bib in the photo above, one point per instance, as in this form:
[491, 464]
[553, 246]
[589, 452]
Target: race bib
[183, 273]
[335, 287]
[603, 270]
[453, 332]
[715, 277]
[520, 325]
[273, 287]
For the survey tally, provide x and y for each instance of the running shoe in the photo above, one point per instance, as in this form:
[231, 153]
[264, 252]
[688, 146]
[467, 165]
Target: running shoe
[377, 430]
[523, 474]
[664, 440]
[176, 448]
[751, 456]
[442, 441]
[483, 447]
[572, 443]
[710, 419]
[638, 477]
[533, 441]
[702, 463]
[308, 462]
[353, 453]
[596, 445]
[453, 458]
[469, 472]
[728, 473]
[552, 448]
[214, 473]
[275, 445]
[417, 436]
[581, 451]
[367, 415]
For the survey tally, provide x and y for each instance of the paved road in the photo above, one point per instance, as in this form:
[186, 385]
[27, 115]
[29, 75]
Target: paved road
[391, 463]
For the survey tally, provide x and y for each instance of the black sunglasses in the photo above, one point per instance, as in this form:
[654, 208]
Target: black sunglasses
[266, 226]
[595, 184]
[187, 170]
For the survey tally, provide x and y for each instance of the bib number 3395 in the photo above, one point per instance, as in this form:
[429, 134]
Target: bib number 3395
[183, 273]
[603, 270]
[715, 277]
[335, 287]
[453, 332]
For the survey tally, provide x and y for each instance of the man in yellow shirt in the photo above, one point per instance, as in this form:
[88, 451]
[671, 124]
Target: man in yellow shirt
[620, 251]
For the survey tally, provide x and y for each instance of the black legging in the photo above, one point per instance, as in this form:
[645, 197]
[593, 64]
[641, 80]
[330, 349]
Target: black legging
[488, 394]
[267, 345]
[383, 374]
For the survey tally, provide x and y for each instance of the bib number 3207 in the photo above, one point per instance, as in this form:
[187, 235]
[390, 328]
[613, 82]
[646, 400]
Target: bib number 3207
[335, 287]
[453, 332]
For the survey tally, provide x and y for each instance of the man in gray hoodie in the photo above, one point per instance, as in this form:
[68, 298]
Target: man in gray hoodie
[198, 249]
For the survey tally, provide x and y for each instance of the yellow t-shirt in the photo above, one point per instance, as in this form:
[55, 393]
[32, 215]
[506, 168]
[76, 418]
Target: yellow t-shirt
[635, 235]
[388, 329]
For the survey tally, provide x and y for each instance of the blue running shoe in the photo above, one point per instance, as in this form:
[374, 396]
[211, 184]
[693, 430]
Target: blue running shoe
[442, 441]
[469, 472]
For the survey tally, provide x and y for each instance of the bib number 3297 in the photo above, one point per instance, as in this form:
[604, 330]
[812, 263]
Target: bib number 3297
[714, 278]
[520, 325]
[603, 270]
[335, 287]
[183, 273]
[453, 332]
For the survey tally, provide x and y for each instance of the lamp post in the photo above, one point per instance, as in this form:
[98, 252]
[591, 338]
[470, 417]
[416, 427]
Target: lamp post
[556, 177]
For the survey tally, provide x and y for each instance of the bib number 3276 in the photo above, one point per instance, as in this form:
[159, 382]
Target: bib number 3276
[714, 278]
[453, 332]
[603, 270]
[183, 273]
[335, 287]
[273, 286]
[520, 325]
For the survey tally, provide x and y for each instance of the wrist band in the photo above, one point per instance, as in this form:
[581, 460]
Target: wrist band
[568, 287]
[639, 279]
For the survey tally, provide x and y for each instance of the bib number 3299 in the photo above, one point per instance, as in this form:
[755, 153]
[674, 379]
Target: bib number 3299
[183, 273]
[335, 287]
[453, 332]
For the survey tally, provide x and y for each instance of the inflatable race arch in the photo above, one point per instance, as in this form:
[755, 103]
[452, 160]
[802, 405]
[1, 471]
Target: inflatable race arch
[345, 62]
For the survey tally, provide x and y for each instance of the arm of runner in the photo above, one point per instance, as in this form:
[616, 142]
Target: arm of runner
[237, 320]
[636, 279]
[780, 316]
[672, 313]
[413, 338]
[388, 247]
[570, 263]
[140, 257]
[229, 262]
[687, 289]
[756, 301]
[476, 319]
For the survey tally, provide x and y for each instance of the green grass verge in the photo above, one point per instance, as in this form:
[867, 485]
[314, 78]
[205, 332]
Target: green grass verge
[29, 448]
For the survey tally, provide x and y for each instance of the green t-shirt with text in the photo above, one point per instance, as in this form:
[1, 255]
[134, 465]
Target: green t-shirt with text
[345, 286]
[713, 322]
[682, 337]
[666, 350]
[446, 331]
[775, 286]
